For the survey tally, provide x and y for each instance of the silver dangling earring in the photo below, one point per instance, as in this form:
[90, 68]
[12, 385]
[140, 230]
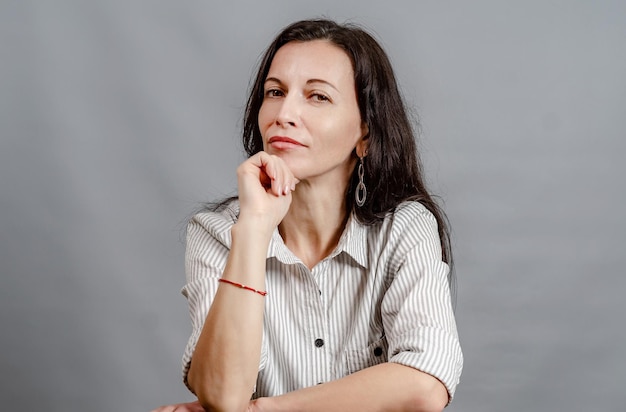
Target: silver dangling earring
[361, 191]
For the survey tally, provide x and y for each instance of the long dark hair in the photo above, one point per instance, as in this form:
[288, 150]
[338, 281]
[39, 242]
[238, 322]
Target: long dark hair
[393, 171]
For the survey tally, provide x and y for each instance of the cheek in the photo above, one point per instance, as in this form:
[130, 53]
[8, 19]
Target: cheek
[334, 125]
[349, 129]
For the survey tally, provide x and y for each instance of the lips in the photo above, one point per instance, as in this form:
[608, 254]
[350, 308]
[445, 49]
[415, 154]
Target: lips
[284, 142]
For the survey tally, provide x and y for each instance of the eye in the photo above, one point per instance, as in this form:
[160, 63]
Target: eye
[319, 97]
[274, 93]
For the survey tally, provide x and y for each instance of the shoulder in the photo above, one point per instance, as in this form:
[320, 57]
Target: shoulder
[411, 225]
[410, 211]
[214, 222]
[411, 217]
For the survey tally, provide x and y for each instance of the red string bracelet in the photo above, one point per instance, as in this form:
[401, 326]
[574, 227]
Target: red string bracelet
[239, 285]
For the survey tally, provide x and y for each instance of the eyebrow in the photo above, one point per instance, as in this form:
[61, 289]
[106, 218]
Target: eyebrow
[310, 81]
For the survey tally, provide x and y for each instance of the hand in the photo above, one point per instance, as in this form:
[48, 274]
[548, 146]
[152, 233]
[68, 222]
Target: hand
[265, 185]
[258, 405]
[181, 407]
[253, 406]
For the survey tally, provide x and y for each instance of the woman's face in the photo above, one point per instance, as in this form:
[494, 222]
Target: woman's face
[310, 115]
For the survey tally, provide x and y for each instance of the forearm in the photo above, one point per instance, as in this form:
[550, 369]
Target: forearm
[385, 387]
[225, 363]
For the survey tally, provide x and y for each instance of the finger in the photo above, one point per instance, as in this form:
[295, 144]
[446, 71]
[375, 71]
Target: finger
[278, 184]
[289, 181]
[293, 182]
[167, 408]
[193, 407]
[275, 174]
[265, 162]
[277, 170]
[268, 171]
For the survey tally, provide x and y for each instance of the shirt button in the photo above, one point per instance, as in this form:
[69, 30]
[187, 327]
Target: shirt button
[319, 342]
[378, 351]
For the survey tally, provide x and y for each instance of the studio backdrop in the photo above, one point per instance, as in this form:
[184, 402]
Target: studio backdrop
[119, 118]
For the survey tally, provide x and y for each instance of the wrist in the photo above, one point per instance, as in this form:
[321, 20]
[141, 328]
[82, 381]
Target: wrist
[257, 229]
[249, 243]
[265, 405]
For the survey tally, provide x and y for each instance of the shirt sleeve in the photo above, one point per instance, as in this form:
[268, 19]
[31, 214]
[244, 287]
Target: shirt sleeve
[417, 309]
[205, 259]
[207, 247]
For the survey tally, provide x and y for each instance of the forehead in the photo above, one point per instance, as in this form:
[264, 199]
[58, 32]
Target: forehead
[316, 59]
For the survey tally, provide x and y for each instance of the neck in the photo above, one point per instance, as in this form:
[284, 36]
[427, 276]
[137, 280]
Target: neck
[314, 223]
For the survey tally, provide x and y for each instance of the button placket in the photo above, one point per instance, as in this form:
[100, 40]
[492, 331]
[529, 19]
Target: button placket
[320, 343]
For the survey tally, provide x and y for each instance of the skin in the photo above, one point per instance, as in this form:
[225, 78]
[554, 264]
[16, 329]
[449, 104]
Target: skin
[312, 134]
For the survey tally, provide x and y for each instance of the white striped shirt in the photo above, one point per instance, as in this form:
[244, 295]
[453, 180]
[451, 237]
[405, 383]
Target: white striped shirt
[381, 296]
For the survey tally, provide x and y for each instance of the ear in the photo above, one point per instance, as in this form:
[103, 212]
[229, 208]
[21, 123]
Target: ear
[365, 129]
[363, 144]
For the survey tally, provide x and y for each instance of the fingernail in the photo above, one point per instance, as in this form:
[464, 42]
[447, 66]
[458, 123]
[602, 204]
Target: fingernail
[286, 190]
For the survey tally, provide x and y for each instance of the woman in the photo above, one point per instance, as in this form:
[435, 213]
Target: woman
[325, 286]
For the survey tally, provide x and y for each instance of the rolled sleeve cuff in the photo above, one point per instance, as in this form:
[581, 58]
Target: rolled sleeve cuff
[432, 351]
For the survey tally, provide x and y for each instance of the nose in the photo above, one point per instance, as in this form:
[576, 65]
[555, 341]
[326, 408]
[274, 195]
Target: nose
[288, 112]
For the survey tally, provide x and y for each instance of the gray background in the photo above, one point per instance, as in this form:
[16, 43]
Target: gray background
[117, 118]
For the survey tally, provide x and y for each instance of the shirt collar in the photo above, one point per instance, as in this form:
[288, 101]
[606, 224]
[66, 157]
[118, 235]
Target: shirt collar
[353, 241]
[277, 249]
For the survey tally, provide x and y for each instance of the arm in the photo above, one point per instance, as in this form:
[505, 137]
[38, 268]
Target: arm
[225, 361]
[384, 387]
